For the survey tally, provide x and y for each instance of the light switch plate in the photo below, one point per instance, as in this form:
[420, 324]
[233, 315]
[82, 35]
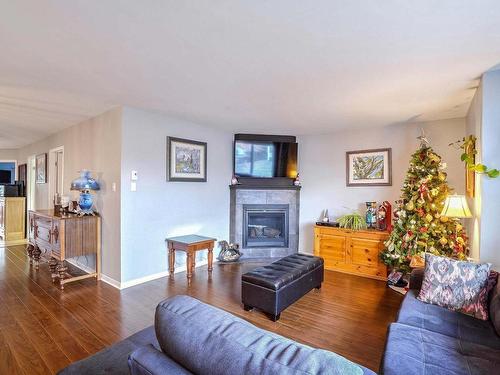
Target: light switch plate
[134, 176]
[133, 186]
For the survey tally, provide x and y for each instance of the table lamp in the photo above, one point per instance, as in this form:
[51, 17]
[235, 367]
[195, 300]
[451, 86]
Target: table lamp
[85, 184]
[456, 206]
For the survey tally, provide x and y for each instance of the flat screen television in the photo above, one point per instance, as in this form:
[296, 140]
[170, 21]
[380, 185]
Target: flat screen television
[265, 159]
[5, 177]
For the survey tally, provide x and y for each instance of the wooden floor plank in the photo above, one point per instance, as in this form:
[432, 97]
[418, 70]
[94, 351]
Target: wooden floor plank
[349, 315]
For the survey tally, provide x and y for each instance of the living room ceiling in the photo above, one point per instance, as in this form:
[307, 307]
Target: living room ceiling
[246, 66]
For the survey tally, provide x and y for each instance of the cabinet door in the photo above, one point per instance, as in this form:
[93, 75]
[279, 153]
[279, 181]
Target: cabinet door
[365, 252]
[332, 249]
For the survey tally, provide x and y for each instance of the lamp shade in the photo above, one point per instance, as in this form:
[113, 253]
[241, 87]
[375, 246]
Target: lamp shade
[84, 182]
[456, 206]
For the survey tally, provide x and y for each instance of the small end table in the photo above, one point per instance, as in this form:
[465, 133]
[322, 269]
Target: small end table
[190, 244]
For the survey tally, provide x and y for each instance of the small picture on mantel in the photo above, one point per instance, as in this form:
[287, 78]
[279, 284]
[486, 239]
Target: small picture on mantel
[369, 167]
[186, 160]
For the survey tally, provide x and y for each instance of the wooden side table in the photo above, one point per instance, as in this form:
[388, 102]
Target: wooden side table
[190, 244]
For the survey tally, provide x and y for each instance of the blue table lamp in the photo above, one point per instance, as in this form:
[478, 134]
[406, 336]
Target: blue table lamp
[85, 184]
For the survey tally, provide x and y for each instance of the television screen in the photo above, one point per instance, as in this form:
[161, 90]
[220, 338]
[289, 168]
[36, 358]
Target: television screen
[263, 159]
[5, 177]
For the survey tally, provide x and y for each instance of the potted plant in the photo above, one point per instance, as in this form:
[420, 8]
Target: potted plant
[352, 221]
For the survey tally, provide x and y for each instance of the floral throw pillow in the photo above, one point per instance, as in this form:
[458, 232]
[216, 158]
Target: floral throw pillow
[479, 307]
[451, 283]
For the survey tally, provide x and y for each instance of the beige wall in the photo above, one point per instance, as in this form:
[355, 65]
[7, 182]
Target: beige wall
[94, 144]
[322, 168]
[7, 154]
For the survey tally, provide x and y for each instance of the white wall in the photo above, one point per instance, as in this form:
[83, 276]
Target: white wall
[490, 154]
[322, 168]
[160, 209]
[94, 144]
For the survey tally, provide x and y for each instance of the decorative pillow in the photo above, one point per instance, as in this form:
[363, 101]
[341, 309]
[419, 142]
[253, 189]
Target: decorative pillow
[479, 307]
[452, 284]
[495, 307]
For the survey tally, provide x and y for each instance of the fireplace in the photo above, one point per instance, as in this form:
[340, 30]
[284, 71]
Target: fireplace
[265, 221]
[265, 225]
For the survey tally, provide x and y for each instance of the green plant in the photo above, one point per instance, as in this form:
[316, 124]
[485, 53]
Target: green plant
[352, 221]
[468, 145]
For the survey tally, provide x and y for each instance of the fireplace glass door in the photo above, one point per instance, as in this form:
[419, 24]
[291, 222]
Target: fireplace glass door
[265, 226]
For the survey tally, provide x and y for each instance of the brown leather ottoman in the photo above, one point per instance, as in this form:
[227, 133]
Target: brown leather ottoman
[274, 287]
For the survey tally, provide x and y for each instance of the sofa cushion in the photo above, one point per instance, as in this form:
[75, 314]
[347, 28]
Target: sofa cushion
[451, 283]
[148, 360]
[282, 272]
[494, 308]
[112, 360]
[438, 319]
[413, 350]
[207, 340]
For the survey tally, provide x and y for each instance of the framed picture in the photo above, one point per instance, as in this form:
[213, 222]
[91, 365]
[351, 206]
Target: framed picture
[186, 160]
[41, 169]
[369, 167]
[470, 174]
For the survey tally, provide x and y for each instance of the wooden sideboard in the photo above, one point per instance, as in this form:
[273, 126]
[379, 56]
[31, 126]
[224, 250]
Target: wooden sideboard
[12, 218]
[64, 236]
[349, 251]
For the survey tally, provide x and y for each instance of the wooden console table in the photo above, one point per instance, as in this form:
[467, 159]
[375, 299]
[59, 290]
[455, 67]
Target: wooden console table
[190, 244]
[351, 251]
[64, 236]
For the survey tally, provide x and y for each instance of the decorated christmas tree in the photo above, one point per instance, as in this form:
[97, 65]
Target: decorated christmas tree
[418, 226]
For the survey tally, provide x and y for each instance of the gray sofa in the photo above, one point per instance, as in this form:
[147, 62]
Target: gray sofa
[190, 337]
[428, 339]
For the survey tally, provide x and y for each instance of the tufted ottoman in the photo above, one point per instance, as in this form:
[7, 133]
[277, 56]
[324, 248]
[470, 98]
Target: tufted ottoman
[274, 287]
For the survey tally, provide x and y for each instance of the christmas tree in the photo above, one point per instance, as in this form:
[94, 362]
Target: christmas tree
[418, 226]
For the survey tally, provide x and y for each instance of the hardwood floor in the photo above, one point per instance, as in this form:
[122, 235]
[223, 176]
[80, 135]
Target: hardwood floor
[43, 329]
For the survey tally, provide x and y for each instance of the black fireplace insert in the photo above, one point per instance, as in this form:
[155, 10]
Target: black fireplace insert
[265, 225]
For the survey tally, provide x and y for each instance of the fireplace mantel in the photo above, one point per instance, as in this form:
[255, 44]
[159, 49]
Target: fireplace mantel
[251, 187]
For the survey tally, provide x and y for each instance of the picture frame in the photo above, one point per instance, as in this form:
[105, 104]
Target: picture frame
[369, 167]
[470, 174]
[41, 168]
[186, 160]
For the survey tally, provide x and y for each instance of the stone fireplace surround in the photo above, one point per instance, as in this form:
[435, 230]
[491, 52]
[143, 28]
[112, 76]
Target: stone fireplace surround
[251, 195]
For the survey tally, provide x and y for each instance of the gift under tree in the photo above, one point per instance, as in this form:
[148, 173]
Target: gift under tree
[418, 226]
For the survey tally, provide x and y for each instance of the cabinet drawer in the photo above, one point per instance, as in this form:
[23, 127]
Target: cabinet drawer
[43, 234]
[43, 222]
[365, 251]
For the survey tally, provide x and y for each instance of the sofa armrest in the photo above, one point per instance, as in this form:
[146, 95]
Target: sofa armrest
[416, 278]
[147, 360]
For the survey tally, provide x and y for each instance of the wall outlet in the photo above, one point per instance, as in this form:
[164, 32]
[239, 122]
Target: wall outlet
[113, 187]
[133, 186]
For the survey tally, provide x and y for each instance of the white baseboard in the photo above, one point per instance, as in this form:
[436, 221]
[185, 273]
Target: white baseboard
[105, 278]
[14, 243]
[133, 282]
[108, 280]
[145, 279]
